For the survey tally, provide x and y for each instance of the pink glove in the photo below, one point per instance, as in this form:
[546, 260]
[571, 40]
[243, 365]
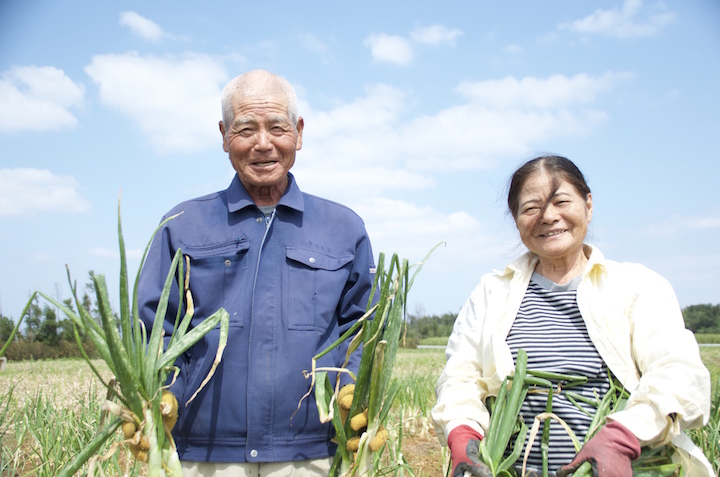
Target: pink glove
[464, 443]
[610, 451]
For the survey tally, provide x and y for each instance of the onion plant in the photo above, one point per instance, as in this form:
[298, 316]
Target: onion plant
[140, 363]
[652, 462]
[17, 326]
[378, 332]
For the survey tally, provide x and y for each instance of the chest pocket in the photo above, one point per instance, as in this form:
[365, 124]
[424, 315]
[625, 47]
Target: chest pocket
[219, 278]
[316, 282]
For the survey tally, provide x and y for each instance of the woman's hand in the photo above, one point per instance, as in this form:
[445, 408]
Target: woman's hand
[464, 443]
[610, 451]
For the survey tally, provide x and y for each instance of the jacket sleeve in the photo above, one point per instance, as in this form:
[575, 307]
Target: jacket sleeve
[460, 390]
[673, 392]
[355, 297]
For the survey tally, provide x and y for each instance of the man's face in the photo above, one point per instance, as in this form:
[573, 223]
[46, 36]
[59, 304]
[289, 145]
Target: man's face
[261, 143]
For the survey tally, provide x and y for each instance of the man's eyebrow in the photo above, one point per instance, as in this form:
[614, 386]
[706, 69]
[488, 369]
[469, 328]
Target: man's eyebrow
[272, 119]
[243, 120]
[278, 118]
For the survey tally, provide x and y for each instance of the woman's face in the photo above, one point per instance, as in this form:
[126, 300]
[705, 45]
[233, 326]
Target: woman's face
[558, 230]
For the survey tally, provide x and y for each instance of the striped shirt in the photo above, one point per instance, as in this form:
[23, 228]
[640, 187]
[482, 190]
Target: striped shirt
[550, 329]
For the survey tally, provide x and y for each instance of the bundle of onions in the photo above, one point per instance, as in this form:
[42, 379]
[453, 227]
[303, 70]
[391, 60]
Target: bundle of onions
[369, 400]
[141, 365]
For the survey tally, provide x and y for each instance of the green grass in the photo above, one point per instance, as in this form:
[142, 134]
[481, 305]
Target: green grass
[708, 338]
[437, 341]
[65, 393]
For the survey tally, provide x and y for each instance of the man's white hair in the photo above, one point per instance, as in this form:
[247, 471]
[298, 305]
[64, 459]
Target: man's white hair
[257, 83]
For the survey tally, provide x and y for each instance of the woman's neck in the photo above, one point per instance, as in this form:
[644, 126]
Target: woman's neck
[562, 270]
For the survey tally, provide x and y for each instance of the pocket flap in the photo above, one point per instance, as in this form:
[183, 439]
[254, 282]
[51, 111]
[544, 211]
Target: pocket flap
[222, 249]
[314, 259]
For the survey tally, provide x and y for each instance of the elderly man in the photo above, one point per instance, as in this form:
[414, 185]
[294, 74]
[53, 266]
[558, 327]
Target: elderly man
[294, 272]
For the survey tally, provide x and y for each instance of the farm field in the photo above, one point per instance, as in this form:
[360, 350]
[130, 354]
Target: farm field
[50, 409]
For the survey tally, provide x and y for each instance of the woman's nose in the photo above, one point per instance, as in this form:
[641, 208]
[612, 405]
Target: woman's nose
[550, 214]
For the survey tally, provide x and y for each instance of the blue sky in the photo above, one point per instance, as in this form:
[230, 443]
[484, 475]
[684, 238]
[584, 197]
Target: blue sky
[415, 116]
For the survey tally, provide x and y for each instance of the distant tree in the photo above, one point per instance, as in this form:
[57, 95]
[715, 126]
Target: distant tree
[431, 326]
[65, 326]
[33, 320]
[702, 318]
[87, 300]
[6, 327]
[48, 331]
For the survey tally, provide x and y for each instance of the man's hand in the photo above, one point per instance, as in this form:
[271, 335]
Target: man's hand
[610, 451]
[464, 443]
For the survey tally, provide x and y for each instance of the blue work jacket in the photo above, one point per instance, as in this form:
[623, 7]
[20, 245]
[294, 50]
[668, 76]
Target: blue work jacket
[292, 284]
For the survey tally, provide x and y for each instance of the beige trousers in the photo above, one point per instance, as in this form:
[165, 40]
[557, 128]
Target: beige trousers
[302, 468]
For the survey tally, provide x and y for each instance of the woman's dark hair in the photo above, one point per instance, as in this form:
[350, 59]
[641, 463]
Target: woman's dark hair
[557, 167]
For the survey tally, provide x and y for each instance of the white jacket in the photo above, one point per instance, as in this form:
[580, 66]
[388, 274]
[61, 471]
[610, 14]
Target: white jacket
[635, 322]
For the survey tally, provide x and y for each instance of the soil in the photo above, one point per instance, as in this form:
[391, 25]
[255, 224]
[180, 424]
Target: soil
[424, 454]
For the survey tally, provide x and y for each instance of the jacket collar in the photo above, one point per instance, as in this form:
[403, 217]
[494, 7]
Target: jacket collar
[238, 197]
[524, 265]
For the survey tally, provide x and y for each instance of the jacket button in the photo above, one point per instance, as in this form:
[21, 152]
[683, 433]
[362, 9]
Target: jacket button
[259, 220]
[312, 260]
[253, 453]
[228, 262]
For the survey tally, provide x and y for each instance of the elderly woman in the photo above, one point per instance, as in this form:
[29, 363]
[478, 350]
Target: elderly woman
[573, 312]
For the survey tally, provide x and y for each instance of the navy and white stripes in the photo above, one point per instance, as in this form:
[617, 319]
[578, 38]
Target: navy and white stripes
[550, 329]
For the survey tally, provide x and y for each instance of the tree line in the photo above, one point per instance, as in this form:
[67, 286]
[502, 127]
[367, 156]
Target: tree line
[46, 336]
[700, 319]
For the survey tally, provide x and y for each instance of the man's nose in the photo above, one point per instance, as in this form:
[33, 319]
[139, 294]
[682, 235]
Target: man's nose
[262, 140]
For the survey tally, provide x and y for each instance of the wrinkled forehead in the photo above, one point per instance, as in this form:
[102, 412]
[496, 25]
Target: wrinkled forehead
[260, 108]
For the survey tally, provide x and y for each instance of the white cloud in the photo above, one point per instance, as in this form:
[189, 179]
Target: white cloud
[390, 49]
[623, 23]
[435, 35]
[400, 50]
[368, 148]
[554, 92]
[141, 26]
[27, 191]
[175, 101]
[37, 98]
[397, 225]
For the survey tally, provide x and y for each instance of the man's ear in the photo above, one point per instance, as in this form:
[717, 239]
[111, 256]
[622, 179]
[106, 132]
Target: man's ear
[222, 131]
[299, 126]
